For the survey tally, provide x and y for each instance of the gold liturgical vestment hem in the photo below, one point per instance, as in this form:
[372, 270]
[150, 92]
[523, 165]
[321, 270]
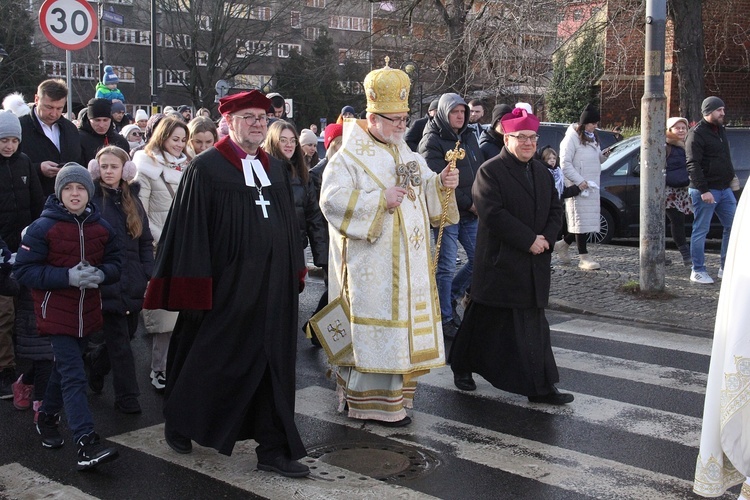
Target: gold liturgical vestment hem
[395, 309]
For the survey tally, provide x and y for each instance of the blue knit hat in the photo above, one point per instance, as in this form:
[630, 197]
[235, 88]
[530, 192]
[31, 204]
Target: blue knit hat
[109, 76]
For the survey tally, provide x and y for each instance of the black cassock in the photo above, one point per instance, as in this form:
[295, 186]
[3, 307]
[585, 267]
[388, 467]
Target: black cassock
[234, 276]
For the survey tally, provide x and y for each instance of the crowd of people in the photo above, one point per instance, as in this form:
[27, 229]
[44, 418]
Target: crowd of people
[199, 228]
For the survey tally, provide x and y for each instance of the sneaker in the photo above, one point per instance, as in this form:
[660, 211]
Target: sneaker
[36, 405]
[22, 394]
[158, 380]
[721, 273]
[701, 277]
[92, 452]
[47, 427]
[7, 378]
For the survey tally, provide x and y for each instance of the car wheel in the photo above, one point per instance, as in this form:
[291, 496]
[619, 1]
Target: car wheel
[607, 225]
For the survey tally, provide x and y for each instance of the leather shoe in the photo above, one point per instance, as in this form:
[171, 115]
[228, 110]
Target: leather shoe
[464, 381]
[128, 405]
[398, 423]
[553, 398]
[285, 466]
[177, 441]
[449, 330]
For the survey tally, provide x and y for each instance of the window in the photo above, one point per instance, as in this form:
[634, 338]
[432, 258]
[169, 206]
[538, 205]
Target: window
[247, 48]
[170, 5]
[261, 13]
[353, 55]
[285, 48]
[85, 71]
[127, 36]
[296, 19]
[312, 33]
[352, 87]
[204, 23]
[250, 81]
[170, 40]
[348, 23]
[316, 4]
[201, 58]
[577, 15]
[238, 10]
[175, 76]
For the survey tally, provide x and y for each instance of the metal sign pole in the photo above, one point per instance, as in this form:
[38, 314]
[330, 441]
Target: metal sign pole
[68, 71]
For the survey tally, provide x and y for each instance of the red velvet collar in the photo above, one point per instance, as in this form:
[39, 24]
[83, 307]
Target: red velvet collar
[230, 151]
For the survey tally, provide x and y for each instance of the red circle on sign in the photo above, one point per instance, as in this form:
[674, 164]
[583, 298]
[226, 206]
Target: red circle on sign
[53, 37]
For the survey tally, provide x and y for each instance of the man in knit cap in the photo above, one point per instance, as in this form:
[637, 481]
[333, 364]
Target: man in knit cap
[710, 168]
[415, 131]
[96, 129]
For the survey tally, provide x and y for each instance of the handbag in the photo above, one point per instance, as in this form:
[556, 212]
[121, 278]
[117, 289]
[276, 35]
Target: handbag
[332, 324]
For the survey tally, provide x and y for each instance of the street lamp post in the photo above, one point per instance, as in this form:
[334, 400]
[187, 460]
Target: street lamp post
[411, 69]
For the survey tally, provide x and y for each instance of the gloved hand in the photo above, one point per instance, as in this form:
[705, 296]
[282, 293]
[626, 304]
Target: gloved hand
[80, 275]
[93, 280]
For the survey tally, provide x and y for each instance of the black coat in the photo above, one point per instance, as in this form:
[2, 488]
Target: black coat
[490, 142]
[21, 198]
[91, 142]
[505, 273]
[126, 296]
[415, 132]
[38, 147]
[313, 227]
[709, 162]
[28, 343]
[437, 140]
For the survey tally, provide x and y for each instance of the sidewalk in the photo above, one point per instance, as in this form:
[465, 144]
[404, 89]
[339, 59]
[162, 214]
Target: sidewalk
[691, 307]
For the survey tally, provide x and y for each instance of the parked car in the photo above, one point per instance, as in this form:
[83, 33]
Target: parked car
[552, 134]
[620, 194]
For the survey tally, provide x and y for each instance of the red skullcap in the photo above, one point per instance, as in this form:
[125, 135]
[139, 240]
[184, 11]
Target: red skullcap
[332, 131]
[243, 100]
[519, 119]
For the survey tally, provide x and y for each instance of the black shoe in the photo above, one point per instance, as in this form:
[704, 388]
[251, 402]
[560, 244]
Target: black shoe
[449, 330]
[284, 466]
[398, 423]
[47, 427]
[464, 381]
[7, 377]
[177, 441]
[96, 381]
[553, 398]
[92, 452]
[128, 405]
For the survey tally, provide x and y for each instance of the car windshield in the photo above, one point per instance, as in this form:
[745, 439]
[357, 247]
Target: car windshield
[620, 149]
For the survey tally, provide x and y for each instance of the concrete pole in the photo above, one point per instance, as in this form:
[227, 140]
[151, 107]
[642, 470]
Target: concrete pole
[653, 151]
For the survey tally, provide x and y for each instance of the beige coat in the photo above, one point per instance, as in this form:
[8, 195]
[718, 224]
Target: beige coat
[581, 162]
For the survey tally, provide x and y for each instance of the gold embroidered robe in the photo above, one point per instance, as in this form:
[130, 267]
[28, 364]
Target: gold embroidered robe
[395, 310]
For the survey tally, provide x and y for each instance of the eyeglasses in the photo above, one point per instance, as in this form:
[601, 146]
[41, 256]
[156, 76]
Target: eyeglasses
[135, 133]
[284, 140]
[403, 120]
[251, 120]
[524, 138]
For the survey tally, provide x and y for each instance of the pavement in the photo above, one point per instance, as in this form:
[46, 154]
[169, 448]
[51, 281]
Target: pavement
[684, 306]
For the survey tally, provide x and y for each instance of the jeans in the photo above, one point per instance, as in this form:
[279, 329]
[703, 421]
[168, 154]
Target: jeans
[724, 206]
[451, 284]
[67, 385]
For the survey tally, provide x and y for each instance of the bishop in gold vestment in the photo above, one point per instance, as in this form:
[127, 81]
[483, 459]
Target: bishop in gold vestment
[380, 199]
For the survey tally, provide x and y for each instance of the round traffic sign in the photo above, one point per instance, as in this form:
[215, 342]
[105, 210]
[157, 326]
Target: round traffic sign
[68, 24]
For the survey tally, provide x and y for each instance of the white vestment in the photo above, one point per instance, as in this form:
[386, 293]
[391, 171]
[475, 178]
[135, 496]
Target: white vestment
[724, 456]
[395, 311]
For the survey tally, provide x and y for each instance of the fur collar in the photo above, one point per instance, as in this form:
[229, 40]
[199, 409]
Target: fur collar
[153, 169]
[673, 140]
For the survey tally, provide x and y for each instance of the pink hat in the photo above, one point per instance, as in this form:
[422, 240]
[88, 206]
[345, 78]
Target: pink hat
[519, 119]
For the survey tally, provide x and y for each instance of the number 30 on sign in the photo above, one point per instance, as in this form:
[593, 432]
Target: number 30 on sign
[68, 24]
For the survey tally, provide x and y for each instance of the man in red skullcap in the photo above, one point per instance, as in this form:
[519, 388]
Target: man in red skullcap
[231, 262]
[504, 335]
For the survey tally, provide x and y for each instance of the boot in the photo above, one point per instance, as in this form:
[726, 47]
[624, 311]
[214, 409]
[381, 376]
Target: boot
[561, 248]
[685, 252]
[588, 263]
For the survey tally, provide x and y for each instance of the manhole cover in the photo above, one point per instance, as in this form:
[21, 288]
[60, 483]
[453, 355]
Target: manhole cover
[386, 462]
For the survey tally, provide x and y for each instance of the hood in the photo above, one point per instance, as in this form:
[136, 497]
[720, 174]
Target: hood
[54, 209]
[440, 121]
[572, 130]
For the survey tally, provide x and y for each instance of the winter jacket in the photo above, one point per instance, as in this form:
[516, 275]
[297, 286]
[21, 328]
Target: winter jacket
[126, 296]
[154, 194]
[491, 143]
[28, 343]
[439, 138]
[415, 132]
[312, 225]
[91, 142]
[38, 147]
[21, 198]
[53, 244]
[676, 161]
[581, 162]
[103, 92]
[709, 162]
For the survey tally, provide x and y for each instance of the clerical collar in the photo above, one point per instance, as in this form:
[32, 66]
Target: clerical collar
[241, 153]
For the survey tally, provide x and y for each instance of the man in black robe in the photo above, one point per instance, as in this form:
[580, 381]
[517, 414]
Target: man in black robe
[231, 262]
[504, 335]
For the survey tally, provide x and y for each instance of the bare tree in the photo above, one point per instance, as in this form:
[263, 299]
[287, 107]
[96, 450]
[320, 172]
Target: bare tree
[689, 54]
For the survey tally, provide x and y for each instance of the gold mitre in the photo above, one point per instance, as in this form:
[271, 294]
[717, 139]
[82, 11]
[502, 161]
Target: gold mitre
[387, 90]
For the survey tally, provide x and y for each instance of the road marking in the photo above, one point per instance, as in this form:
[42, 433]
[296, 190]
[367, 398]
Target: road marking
[240, 470]
[636, 371]
[633, 335]
[588, 475]
[660, 424]
[16, 481]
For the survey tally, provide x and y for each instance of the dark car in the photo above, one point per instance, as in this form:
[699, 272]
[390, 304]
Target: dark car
[620, 194]
[552, 134]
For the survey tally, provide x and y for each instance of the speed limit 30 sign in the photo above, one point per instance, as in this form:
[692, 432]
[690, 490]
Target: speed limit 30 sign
[68, 24]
